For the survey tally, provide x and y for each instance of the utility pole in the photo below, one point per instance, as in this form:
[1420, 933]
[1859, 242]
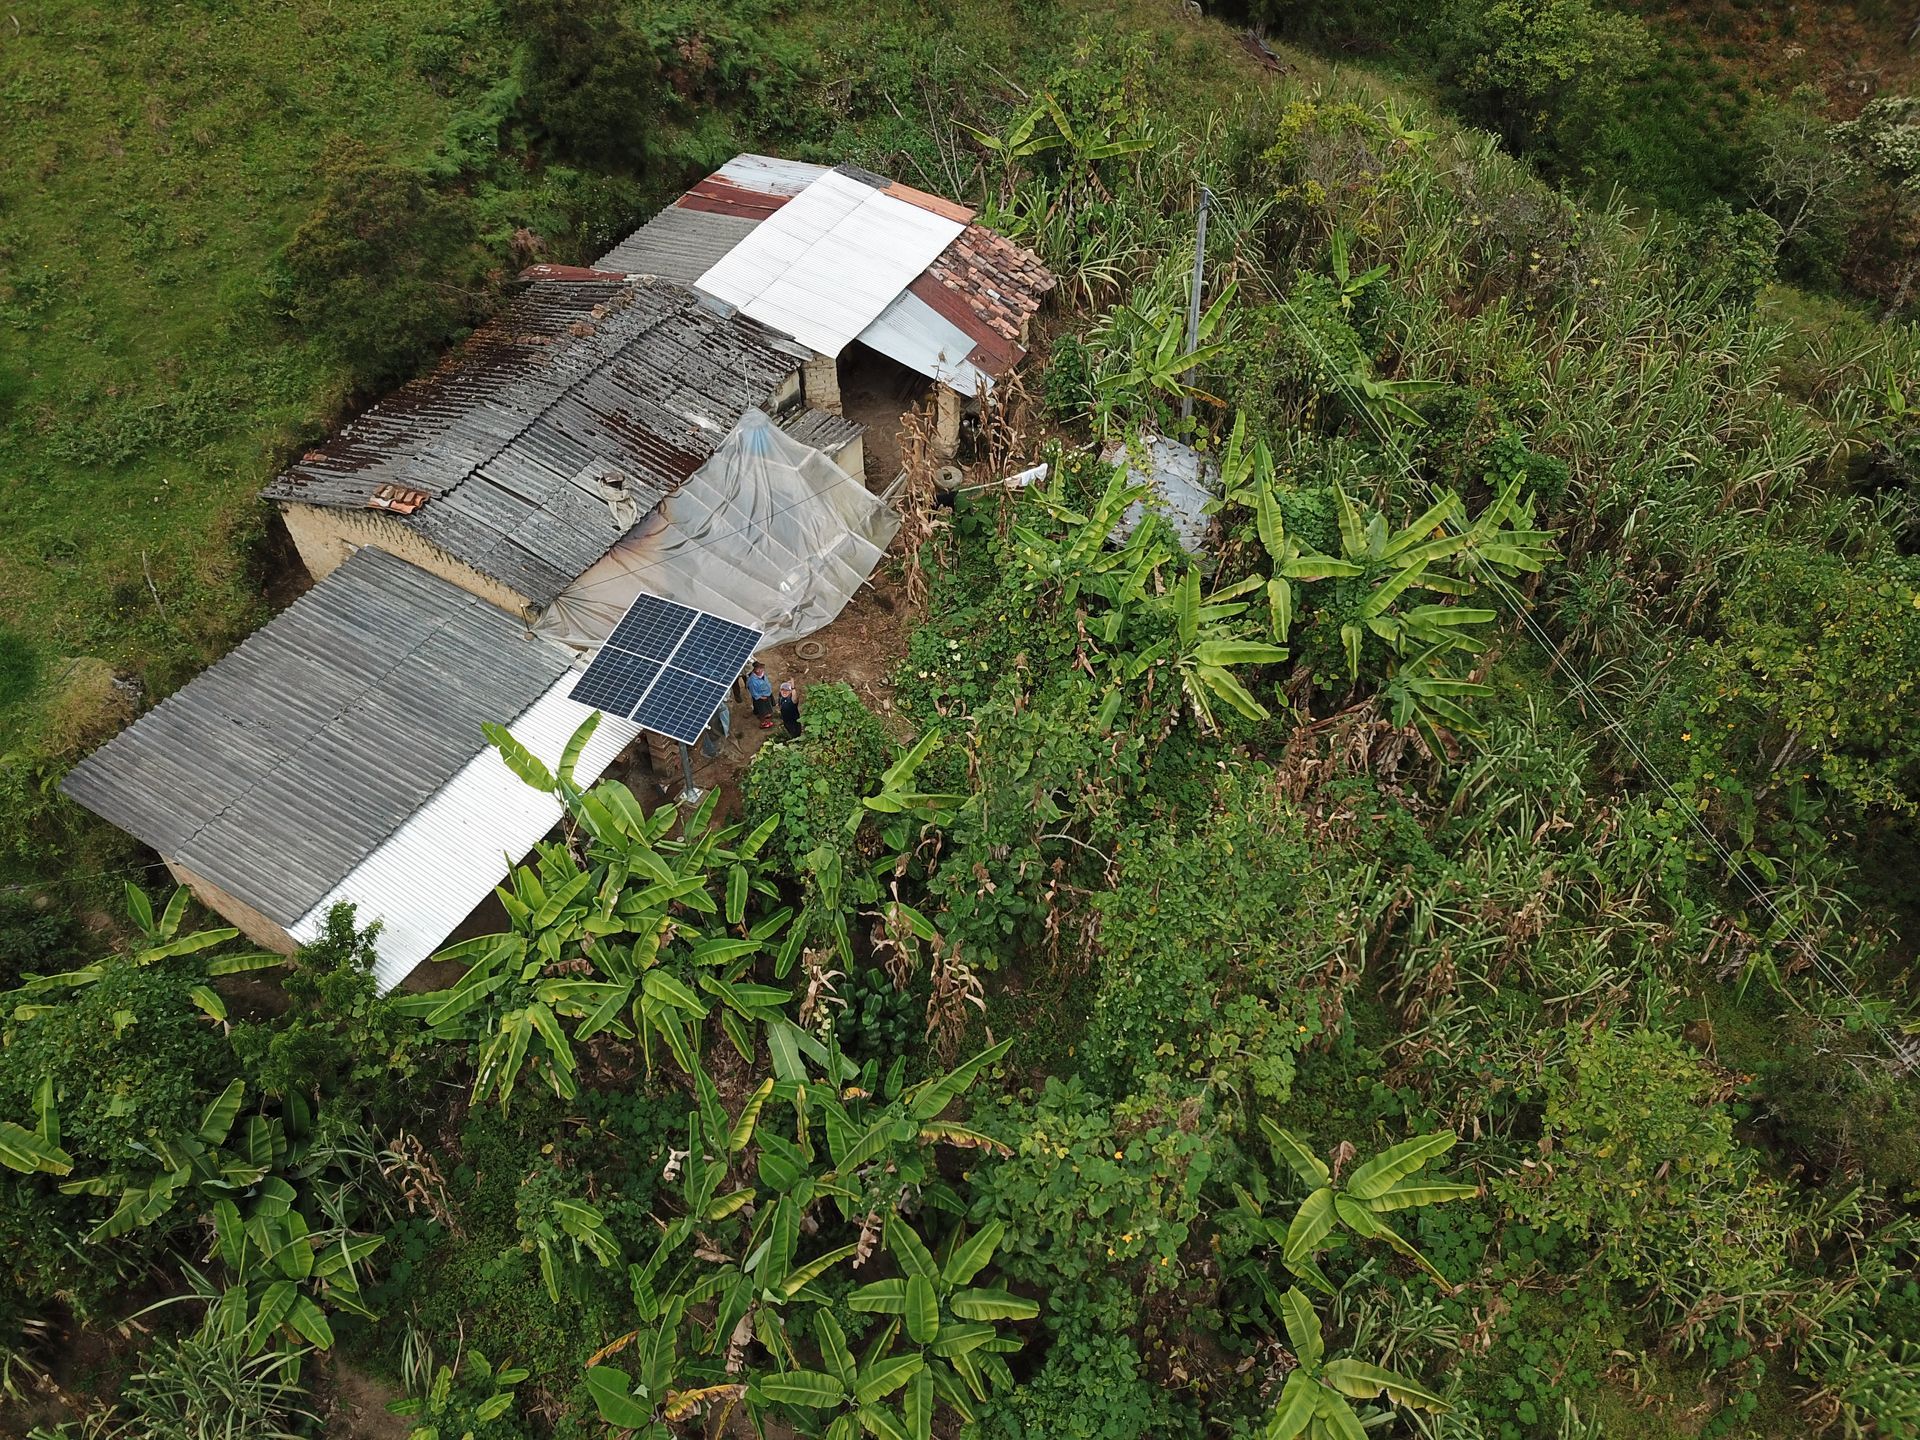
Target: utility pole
[691, 794]
[1193, 300]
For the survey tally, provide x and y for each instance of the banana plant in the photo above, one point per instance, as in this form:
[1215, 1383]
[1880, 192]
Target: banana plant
[1081, 557]
[36, 1151]
[160, 939]
[1314, 1401]
[1150, 354]
[468, 1393]
[946, 1320]
[279, 1279]
[1248, 478]
[1204, 647]
[1388, 1183]
[201, 1163]
[567, 1233]
[629, 940]
[1352, 286]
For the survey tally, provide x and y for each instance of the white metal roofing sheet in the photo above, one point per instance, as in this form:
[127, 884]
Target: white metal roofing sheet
[771, 174]
[927, 342]
[450, 853]
[825, 265]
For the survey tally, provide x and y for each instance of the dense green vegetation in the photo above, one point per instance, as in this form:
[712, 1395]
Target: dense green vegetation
[1438, 970]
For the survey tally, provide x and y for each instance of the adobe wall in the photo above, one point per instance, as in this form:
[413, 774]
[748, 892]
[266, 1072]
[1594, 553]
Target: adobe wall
[254, 925]
[326, 536]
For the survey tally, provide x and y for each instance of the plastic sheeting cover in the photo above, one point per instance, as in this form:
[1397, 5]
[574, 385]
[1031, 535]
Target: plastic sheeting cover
[1183, 481]
[769, 533]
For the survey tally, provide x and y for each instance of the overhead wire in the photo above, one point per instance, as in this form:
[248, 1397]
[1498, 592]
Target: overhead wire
[1557, 656]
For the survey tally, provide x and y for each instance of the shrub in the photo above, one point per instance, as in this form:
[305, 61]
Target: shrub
[1196, 977]
[1641, 1159]
[385, 269]
[35, 937]
[1728, 253]
[1818, 668]
[1092, 1386]
[1092, 1189]
[339, 1033]
[131, 1057]
[814, 783]
[1545, 73]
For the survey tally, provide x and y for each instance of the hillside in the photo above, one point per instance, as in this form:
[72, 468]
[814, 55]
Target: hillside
[1436, 965]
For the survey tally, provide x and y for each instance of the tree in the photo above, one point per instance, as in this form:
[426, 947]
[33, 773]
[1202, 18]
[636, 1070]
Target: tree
[385, 269]
[1880, 150]
[1545, 73]
[1799, 180]
[590, 78]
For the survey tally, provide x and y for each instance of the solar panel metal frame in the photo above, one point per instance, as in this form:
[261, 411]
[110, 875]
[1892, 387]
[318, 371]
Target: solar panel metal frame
[676, 691]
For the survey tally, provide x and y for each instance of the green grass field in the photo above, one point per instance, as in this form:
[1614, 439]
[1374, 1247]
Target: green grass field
[157, 162]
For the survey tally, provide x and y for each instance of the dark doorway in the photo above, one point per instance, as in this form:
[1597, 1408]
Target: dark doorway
[877, 391]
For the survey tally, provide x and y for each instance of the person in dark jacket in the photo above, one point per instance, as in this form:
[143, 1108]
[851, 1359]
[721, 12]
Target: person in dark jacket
[789, 707]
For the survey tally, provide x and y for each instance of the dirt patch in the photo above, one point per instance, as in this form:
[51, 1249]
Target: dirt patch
[862, 648]
[357, 1406]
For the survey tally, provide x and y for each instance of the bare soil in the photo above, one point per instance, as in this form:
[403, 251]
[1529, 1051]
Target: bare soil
[357, 1406]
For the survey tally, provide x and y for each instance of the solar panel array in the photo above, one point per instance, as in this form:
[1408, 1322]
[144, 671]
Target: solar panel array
[666, 667]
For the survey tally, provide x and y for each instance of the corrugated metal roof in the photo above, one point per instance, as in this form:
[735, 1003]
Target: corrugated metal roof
[512, 435]
[981, 288]
[282, 767]
[678, 244]
[825, 265]
[928, 343]
[429, 874]
[1183, 482]
[822, 430]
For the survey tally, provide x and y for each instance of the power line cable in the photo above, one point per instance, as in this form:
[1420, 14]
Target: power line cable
[1557, 656]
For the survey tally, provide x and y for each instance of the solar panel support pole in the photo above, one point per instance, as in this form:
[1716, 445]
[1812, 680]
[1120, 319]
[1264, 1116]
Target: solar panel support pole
[690, 795]
[1193, 300]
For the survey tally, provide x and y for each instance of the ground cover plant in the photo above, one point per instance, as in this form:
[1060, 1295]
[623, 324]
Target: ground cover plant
[1434, 965]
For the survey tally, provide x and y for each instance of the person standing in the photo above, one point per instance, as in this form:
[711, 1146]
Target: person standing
[760, 688]
[789, 708]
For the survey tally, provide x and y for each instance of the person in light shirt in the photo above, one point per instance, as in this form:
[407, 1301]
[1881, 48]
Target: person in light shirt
[760, 688]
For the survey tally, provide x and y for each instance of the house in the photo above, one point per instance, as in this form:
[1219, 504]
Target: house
[532, 448]
[614, 431]
[844, 261]
[337, 755]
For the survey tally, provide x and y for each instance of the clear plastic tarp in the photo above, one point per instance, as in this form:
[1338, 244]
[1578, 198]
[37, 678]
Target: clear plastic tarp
[769, 532]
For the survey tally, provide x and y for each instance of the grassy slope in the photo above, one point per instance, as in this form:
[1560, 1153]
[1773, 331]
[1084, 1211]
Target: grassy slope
[156, 166]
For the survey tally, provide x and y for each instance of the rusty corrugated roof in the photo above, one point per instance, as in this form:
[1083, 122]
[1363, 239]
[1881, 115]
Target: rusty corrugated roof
[513, 437]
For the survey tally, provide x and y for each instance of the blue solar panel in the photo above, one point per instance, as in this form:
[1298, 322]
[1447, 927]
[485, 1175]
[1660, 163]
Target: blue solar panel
[717, 649]
[653, 626]
[680, 704]
[630, 676]
[616, 682]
